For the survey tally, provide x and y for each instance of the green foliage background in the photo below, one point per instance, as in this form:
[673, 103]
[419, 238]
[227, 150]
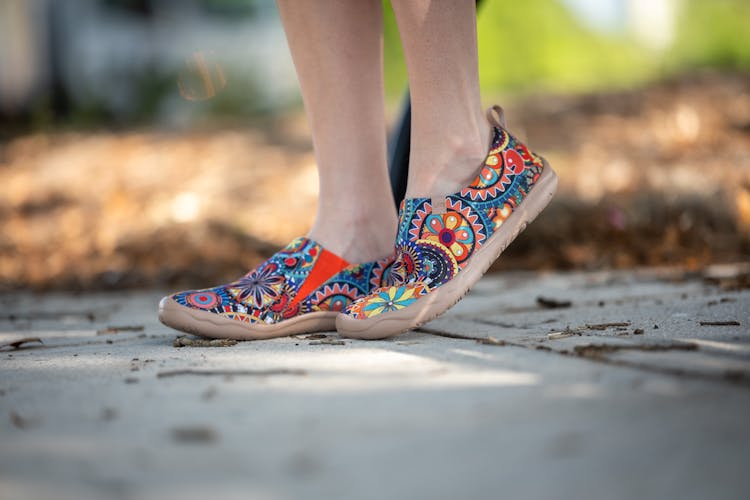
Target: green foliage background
[525, 47]
[539, 45]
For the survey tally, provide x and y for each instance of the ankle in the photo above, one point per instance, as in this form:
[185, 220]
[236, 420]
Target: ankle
[356, 237]
[444, 165]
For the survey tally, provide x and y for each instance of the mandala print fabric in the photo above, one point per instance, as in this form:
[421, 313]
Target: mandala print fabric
[301, 278]
[437, 237]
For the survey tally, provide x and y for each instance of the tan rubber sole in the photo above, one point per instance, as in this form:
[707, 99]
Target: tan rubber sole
[207, 324]
[443, 298]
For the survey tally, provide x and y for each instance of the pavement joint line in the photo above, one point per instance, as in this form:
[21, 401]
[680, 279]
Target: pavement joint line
[232, 373]
[92, 315]
[735, 350]
[104, 341]
[595, 303]
[733, 376]
[482, 340]
[501, 324]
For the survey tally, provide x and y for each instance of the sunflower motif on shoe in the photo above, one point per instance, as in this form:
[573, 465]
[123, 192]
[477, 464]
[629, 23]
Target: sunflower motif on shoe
[389, 299]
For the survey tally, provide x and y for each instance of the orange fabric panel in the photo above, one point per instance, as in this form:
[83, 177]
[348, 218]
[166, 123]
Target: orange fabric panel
[327, 265]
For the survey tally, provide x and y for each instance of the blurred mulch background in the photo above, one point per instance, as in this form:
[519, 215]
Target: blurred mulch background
[654, 176]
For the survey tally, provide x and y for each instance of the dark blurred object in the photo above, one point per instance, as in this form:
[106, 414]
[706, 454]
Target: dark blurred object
[115, 63]
[399, 146]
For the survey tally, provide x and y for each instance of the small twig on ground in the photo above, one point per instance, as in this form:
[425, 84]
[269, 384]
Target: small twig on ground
[118, 329]
[598, 351]
[195, 434]
[604, 326]
[491, 341]
[16, 344]
[720, 323]
[188, 342]
[563, 334]
[548, 303]
[328, 341]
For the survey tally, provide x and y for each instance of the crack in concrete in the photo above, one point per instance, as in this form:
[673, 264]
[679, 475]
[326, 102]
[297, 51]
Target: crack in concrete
[231, 373]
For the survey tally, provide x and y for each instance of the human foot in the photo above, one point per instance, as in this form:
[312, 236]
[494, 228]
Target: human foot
[361, 233]
[299, 289]
[445, 244]
[443, 161]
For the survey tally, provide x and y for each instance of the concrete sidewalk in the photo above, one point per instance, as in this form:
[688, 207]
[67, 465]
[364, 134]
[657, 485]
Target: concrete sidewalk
[639, 388]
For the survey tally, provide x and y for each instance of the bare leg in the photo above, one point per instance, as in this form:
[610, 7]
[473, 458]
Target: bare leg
[449, 135]
[337, 50]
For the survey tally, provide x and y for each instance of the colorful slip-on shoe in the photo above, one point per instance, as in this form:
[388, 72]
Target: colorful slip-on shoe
[300, 289]
[445, 244]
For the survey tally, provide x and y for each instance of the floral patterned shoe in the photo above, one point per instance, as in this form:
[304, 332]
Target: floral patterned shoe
[300, 289]
[445, 244]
